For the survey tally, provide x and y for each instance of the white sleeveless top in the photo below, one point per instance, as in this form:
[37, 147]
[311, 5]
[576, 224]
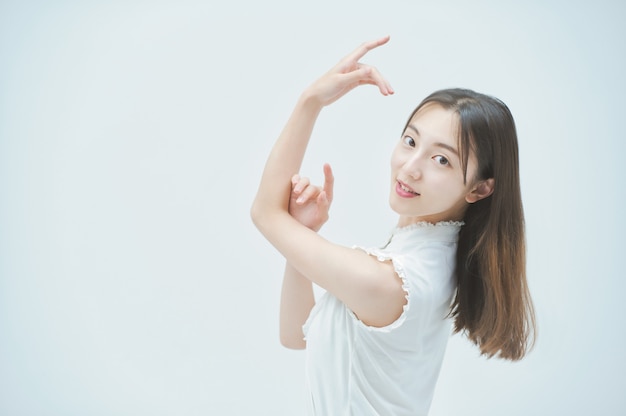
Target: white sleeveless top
[355, 369]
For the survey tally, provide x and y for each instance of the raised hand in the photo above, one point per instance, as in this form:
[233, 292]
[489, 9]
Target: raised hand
[348, 74]
[288, 152]
[309, 204]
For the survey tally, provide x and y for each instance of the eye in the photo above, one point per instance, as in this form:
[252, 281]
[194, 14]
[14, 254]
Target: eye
[442, 160]
[409, 141]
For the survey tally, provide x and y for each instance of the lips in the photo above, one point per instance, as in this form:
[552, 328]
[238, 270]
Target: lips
[404, 190]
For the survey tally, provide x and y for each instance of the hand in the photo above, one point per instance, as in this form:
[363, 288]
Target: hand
[348, 74]
[309, 204]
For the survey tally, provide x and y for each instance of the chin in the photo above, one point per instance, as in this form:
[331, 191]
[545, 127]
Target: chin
[400, 210]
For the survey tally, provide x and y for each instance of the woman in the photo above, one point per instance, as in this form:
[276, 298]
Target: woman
[375, 341]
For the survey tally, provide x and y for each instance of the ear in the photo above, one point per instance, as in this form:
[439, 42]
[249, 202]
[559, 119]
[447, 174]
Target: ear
[480, 191]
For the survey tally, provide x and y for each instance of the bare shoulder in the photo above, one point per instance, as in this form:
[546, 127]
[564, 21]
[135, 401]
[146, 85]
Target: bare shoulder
[382, 298]
[370, 288]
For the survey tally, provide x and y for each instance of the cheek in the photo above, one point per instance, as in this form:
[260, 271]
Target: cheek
[452, 184]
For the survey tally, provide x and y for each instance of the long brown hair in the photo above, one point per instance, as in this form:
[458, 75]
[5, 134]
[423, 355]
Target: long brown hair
[492, 305]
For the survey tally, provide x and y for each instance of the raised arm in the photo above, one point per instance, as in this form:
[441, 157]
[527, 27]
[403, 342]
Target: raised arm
[286, 157]
[368, 287]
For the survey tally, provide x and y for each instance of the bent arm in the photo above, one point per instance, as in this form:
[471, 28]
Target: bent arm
[286, 156]
[284, 161]
[368, 287]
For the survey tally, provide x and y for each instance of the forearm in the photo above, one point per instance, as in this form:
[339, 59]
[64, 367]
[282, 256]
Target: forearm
[285, 160]
[296, 301]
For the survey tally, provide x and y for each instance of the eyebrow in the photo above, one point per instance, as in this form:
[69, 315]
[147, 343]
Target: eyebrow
[438, 144]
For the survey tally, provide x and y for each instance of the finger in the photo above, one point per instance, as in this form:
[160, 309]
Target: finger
[329, 182]
[294, 180]
[302, 183]
[371, 75]
[383, 84]
[367, 75]
[365, 47]
[361, 75]
[309, 193]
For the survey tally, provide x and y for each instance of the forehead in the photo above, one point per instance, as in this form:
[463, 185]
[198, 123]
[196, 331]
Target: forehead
[435, 122]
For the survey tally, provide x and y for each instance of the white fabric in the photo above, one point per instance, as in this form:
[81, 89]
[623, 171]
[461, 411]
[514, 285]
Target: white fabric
[355, 369]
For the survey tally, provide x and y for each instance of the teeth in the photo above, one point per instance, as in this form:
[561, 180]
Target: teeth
[404, 188]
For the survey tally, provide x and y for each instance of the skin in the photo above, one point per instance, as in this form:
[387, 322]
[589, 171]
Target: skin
[426, 174]
[288, 211]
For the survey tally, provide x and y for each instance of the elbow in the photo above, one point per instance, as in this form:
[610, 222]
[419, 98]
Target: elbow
[256, 214]
[263, 217]
[292, 343]
[291, 337]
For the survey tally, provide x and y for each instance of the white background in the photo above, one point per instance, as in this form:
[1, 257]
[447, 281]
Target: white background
[132, 137]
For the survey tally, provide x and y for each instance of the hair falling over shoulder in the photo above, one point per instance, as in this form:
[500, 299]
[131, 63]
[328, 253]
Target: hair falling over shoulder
[492, 305]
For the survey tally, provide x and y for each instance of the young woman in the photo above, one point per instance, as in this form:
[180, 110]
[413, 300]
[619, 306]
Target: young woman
[376, 339]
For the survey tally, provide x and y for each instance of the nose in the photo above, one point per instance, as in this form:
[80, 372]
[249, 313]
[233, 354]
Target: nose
[413, 167]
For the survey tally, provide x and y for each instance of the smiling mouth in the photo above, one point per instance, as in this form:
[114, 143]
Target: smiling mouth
[406, 189]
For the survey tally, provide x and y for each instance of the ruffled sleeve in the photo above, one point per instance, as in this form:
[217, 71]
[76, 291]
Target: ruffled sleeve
[398, 266]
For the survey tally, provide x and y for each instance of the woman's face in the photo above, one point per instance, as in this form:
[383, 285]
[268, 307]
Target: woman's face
[426, 174]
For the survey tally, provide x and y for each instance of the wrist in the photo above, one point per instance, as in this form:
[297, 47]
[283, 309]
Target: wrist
[309, 101]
